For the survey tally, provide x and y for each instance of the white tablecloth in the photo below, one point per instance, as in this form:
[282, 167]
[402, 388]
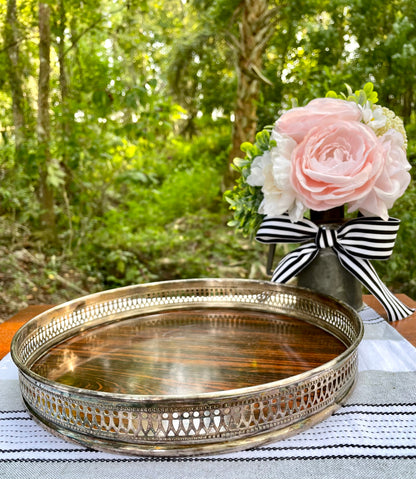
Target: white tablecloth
[372, 436]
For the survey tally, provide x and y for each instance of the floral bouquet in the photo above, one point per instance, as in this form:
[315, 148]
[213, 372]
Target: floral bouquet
[335, 151]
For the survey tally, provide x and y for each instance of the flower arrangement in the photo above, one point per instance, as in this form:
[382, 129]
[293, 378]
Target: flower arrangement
[338, 150]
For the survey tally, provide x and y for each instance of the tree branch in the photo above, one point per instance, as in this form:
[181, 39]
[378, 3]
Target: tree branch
[260, 75]
[89, 28]
[233, 41]
[78, 38]
[268, 14]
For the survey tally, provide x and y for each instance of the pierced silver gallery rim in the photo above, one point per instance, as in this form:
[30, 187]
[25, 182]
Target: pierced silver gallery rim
[187, 424]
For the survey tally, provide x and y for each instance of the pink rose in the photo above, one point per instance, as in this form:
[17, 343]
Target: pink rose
[299, 121]
[336, 163]
[391, 183]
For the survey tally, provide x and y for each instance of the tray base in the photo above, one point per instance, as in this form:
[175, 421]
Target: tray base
[185, 450]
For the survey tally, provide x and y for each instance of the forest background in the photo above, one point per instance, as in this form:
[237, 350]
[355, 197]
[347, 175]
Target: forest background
[119, 119]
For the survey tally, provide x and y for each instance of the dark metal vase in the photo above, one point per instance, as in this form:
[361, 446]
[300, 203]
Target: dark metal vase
[325, 274]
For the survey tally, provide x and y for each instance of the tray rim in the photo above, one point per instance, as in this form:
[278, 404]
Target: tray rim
[248, 390]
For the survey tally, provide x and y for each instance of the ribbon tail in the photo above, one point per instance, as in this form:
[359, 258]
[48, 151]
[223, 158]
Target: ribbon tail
[294, 262]
[363, 270]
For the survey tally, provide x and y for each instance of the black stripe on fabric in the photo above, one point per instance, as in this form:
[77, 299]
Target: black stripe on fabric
[362, 239]
[341, 432]
[261, 448]
[214, 460]
[374, 321]
[286, 228]
[368, 253]
[372, 229]
[376, 413]
[367, 245]
[331, 446]
[262, 237]
[370, 224]
[286, 219]
[284, 225]
[373, 220]
[17, 411]
[333, 236]
[45, 449]
[293, 263]
[14, 418]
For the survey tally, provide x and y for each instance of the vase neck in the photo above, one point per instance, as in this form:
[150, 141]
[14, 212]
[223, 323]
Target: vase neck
[334, 215]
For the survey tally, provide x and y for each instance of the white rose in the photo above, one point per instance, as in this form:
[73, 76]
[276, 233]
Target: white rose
[374, 117]
[272, 172]
[257, 170]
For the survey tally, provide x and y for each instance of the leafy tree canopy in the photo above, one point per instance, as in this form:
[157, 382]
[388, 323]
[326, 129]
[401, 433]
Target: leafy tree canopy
[148, 101]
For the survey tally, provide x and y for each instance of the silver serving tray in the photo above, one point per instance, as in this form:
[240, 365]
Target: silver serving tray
[188, 331]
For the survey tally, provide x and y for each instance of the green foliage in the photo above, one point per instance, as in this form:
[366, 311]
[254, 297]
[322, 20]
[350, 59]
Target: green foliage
[141, 103]
[361, 97]
[244, 199]
[160, 217]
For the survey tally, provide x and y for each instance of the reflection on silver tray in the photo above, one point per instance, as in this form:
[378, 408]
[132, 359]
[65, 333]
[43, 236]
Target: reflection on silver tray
[187, 367]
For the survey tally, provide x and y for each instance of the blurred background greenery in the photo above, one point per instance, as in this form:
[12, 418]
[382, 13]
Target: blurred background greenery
[119, 119]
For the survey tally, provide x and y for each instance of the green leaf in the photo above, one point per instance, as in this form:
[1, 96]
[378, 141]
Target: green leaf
[331, 94]
[373, 97]
[349, 89]
[240, 162]
[55, 176]
[152, 83]
[368, 88]
[362, 97]
[246, 147]
[228, 199]
[262, 140]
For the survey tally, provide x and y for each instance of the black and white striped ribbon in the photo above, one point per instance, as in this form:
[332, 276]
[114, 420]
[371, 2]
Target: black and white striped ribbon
[355, 243]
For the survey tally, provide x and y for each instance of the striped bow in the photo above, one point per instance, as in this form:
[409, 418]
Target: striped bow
[355, 243]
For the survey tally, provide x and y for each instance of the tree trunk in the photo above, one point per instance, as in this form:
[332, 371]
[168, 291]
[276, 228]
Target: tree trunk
[11, 37]
[255, 29]
[65, 120]
[407, 104]
[43, 124]
[63, 79]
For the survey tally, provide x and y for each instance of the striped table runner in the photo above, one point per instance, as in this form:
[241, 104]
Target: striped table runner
[372, 436]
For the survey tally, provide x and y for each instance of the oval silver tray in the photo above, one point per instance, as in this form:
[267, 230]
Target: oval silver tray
[187, 367]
